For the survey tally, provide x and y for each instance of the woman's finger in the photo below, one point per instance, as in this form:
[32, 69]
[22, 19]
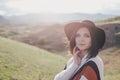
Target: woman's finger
[74, 50]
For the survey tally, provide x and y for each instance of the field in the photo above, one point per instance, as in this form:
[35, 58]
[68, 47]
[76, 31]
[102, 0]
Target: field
[24, 62]
[111, 59]
[31, 52]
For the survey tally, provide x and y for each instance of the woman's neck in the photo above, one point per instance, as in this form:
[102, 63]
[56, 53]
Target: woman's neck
[83, 52]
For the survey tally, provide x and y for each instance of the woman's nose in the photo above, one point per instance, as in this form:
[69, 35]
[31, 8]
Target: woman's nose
[81, 39]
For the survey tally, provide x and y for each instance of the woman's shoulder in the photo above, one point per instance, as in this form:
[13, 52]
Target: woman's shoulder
[90, 70]
[97, 60]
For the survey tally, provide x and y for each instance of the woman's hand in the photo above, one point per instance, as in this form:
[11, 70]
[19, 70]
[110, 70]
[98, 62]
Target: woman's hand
[77, 56]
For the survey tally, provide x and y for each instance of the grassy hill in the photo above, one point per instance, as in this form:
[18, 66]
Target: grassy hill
[111, 59]
[26, 62]
[117, 18]
[109, 20]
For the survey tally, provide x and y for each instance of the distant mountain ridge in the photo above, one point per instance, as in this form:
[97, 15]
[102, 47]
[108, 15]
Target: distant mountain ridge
[3, 20]
[36, 18]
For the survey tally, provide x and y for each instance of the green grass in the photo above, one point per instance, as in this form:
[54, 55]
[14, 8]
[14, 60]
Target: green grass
[26, 62]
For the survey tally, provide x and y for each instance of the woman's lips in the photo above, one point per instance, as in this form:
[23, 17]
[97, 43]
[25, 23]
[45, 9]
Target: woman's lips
[81, 44]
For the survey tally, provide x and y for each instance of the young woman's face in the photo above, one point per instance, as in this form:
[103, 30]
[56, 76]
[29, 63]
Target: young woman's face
[83, 39]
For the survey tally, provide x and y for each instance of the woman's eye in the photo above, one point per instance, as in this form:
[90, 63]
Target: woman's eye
[87, 36]
[77, 35]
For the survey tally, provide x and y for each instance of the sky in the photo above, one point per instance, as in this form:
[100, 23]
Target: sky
[20, 7]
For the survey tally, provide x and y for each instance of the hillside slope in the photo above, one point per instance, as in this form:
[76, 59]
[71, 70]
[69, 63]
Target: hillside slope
[25, 62]
[111, 59]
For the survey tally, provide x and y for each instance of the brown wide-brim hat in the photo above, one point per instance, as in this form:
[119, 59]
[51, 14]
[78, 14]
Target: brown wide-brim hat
[72, 27]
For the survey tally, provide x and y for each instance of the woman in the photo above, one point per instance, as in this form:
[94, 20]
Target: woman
[85, 41]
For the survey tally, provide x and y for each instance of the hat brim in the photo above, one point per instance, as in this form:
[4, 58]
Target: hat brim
[100, 37]
[71, 28]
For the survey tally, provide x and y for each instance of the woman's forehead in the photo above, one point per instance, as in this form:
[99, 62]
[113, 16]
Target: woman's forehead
[83, 30]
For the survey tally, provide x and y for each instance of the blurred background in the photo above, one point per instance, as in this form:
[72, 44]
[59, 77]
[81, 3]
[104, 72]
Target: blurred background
[33, 45]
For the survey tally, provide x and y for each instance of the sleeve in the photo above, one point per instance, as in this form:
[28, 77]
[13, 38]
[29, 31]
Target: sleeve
[68, 72]
[69, 62]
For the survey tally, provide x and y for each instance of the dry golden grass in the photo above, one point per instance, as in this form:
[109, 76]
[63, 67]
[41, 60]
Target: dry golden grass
[111, 59]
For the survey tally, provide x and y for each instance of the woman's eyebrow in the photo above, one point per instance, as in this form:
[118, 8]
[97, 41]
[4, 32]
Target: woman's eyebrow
[86, 33]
